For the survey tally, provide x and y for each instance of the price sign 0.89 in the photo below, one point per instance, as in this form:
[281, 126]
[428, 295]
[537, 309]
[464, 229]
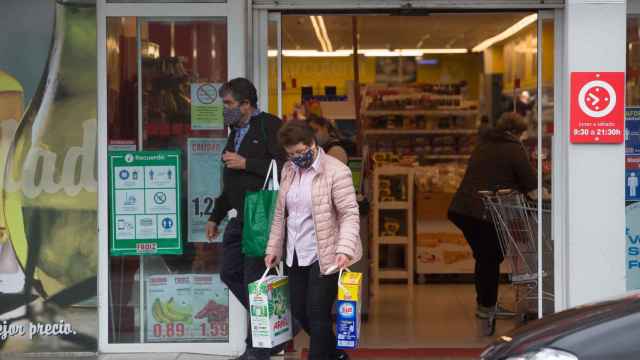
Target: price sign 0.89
[597, 107]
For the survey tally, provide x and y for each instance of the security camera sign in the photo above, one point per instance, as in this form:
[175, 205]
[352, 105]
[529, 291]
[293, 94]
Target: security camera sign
[597, 107]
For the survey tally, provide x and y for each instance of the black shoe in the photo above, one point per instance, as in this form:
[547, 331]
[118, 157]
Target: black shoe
[342, 355]
[258, 354]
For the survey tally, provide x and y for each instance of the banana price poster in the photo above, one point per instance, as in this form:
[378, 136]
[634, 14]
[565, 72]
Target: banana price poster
[187, 308]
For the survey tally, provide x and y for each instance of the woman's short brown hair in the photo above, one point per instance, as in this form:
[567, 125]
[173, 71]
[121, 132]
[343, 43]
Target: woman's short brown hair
[295, 132]
[512, 122]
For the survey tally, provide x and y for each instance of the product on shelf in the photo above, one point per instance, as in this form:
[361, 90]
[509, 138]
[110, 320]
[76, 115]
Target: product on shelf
[391, 226]
[444, 177]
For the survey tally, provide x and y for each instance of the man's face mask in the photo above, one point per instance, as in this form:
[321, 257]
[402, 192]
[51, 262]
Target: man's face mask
[232, 116]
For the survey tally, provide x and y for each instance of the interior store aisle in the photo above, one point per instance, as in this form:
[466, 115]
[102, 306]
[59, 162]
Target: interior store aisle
[432, 321]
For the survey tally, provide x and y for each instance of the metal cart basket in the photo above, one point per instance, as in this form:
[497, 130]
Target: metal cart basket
[516, 221]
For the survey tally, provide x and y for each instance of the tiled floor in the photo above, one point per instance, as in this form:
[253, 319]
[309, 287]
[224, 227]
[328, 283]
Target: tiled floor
[430, 316]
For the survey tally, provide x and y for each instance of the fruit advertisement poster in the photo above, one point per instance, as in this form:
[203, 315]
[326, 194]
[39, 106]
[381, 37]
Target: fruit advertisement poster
[187, 308]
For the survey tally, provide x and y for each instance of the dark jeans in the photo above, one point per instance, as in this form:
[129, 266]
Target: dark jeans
[312, 298]
[483, 239]
[238, 271]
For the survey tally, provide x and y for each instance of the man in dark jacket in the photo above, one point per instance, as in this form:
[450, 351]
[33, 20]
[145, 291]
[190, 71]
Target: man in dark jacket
[251, 146]
[499, 161]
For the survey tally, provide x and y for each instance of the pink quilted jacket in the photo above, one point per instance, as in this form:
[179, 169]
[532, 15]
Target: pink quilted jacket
[335, 213]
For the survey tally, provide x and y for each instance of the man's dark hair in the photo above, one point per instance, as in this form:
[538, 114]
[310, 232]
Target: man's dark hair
[295, 132]
[242, 90]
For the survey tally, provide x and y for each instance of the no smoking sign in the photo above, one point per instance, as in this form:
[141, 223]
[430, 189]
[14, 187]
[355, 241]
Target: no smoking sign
[597, 107]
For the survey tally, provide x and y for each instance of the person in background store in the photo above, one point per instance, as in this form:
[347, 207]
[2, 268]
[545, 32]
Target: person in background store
[320, 187]
[328, 137]
[524, 103]
[251, 146]
[499, 161]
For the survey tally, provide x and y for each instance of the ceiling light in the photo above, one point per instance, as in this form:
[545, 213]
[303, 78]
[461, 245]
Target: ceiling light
[323, 31]
[310, 53]
[316, 29]
[513, 29]
[365, 52]
[409, 52]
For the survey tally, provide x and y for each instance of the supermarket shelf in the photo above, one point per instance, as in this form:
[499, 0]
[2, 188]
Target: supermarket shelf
[393, 205]
[394, 240]
[421, 112]
[371, 132]
[394, 274]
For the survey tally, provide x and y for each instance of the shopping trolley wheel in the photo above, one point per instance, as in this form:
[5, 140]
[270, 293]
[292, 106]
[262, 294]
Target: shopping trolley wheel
[528, 317]
[488, 326]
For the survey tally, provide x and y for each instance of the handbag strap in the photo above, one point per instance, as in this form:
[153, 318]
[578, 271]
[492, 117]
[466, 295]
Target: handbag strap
[273, 173]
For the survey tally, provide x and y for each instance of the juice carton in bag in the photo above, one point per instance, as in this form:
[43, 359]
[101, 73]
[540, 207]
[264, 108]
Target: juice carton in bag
[348, 310]
[271, 321]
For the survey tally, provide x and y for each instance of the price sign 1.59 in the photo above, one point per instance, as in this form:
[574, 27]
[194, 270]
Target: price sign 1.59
[202, 206]
[214, 329]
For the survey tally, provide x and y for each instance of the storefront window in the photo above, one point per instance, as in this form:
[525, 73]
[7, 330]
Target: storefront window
[163, 80]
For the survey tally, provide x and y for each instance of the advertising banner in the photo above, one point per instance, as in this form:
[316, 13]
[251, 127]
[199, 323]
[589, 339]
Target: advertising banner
[632, 235]
[205, 184]
[187, 308]
[144, 203]
[48, 153]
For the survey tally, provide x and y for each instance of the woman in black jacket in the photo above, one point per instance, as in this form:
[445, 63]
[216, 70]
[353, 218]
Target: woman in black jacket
[499, 161]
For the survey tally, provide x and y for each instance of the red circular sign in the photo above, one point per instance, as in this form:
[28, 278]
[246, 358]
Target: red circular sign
[597, 98]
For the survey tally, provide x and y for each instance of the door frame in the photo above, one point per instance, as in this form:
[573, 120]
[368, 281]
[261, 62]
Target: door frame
[265, 11]
[234, 12]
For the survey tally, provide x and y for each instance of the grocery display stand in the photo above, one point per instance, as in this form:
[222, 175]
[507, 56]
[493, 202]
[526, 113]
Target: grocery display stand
[392, 232]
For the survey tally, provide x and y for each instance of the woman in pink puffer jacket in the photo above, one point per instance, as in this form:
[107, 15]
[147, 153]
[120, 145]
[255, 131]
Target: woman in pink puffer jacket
[317, 213]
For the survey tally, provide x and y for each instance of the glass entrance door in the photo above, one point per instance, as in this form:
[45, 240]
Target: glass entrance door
[416, 99]
[162, 70]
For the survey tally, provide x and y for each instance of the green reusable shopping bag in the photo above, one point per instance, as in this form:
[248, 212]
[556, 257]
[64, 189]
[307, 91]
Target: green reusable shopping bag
[258, 214]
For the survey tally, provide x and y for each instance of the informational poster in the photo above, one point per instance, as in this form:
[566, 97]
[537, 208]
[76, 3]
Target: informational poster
[632, 235]
[632, 171]
[632, 130]
[144, 206]
[187, 308]
[597, 107]
[205, 184]
[206, 107]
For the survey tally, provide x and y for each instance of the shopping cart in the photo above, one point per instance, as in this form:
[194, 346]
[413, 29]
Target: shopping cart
[516, 221]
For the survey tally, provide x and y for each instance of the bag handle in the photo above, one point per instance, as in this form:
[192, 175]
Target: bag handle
[342, 287]
[266, 272]
[273, 172]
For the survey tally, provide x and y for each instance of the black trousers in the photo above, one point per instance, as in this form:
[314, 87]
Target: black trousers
[483, 239]
[238, 271]
[312, 298]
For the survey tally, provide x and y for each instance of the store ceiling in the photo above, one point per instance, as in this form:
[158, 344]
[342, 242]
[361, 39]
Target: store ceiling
[434, 31]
